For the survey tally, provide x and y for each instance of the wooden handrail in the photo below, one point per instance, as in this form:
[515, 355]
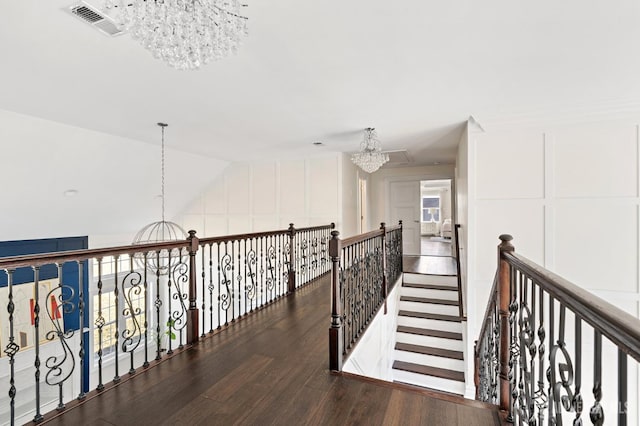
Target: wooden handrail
[527, 351]
[615, 324]
[362, 237]
[73, 255]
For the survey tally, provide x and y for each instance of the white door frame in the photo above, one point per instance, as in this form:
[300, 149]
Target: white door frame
[421, 177]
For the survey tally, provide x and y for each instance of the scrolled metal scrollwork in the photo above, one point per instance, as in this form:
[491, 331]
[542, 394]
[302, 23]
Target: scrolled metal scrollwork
[180, 274]
[131, 289]
[225, 269]
[251, 285]
[61, 366]
[561, 376]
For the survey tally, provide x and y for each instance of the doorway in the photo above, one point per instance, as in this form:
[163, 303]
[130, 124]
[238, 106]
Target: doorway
[436, 222]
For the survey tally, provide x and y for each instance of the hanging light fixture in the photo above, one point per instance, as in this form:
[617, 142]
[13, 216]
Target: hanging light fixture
[185, 34]
[370, 158]
[158, 232]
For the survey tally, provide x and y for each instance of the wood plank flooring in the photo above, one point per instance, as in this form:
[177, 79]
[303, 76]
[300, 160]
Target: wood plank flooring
[429, 265]
[270, 368]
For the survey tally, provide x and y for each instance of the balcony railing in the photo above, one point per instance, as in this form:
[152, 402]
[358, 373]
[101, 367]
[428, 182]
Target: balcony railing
[363, 269]
[80, 322]
[552, 353]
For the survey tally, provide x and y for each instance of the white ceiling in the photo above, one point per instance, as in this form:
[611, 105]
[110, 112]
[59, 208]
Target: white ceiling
[324, 70]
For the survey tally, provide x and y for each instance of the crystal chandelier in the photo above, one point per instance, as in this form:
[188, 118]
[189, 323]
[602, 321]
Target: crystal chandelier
[370, 158]
[185, 34]
[158, 232]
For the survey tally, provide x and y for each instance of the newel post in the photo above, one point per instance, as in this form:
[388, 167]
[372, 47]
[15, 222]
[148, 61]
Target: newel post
[192, 318]
[504, 298]
[383, 227]
[292, 259]
[336, 330]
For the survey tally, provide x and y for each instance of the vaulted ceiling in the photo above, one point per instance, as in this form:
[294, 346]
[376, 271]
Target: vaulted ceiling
[324, 70]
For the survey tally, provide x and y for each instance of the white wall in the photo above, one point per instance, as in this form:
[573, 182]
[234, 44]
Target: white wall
[570, 196]
[350, 194]
[262, 196]
[463, 210]
[373, 354]
[118, 181]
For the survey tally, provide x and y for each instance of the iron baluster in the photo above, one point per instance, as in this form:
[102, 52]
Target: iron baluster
[169, 321]
[99, 322]
[131, 337]
[37, 418]
[577, 397]
[12, 347]
[596, 414]
[622, 388]
[146, 313]
[158, 305]
[204, 299]
[116, 262]
[211, 288]
[60, 367]
[81, 314]
[541, 396]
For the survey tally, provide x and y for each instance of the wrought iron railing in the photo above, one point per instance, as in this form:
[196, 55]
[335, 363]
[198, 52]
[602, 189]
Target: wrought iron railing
[364, 267]
[79, 322]
[550, 352]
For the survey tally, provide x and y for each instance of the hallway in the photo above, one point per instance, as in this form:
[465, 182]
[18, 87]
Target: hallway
[436, 258]
[270, 368]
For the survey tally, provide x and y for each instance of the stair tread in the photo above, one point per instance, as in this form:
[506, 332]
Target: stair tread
[428, 300]
[443, 373]
[430, 286]
[429, 332]
[428, 350]
[428, 315]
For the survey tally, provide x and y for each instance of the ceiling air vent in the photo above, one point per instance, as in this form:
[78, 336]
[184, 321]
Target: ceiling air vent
[95, 18]
[398, 158]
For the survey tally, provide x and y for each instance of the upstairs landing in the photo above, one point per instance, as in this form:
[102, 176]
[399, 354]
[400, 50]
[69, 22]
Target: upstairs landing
[270, 369]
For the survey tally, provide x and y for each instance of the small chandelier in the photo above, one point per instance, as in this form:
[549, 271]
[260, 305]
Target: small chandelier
[158, 232]
[370, 158]
[185, 34]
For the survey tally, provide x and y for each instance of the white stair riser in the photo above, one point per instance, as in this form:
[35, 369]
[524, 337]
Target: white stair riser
[429, 293]
[429, 360]
[430, 324]
[429, 381]
[434, 342]
[431, 279]
[429, 307]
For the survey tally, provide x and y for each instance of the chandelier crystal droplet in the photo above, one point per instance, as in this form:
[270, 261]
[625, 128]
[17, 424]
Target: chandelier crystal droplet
[185, 34]
[370, 158]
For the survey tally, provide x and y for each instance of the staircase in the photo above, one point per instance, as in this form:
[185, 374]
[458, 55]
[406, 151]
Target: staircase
[429, 346]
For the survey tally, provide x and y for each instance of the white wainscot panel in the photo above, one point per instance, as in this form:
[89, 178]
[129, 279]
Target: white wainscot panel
[523, 219]
[238, 189]
[215, 226]
[193, 221]
[298, 222]
[292, 188]
[261, 224]
[239, 225]
[264, 184]
[510, 165]
[596, 244]
[596, 161]
[323, 186]
[214, 198]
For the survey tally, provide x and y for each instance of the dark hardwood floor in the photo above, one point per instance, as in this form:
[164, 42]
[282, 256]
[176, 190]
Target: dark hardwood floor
[270, 368]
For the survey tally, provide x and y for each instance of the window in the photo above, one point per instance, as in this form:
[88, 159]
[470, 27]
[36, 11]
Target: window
[431, 209]
[123, 317]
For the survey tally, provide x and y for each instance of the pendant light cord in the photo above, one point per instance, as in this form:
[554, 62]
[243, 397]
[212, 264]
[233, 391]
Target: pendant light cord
[162, 125]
